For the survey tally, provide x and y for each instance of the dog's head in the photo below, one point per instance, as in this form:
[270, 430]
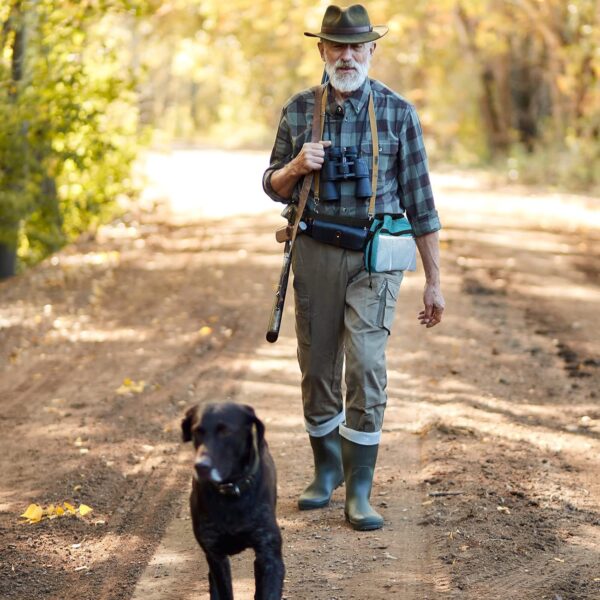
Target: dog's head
[226, 438]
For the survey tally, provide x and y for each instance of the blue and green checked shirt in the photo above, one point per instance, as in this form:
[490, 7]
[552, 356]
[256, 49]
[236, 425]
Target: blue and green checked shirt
[403, 173]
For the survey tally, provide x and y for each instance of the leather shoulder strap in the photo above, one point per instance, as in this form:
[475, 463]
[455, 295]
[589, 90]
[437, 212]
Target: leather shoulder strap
[375, 168]
[315, 136]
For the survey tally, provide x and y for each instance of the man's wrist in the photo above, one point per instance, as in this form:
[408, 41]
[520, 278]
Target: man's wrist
[292, 169]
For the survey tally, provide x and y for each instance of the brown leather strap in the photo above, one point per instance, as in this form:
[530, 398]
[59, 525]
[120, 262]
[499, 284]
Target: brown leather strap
[375, 143]
[317, 186]
[317, 128]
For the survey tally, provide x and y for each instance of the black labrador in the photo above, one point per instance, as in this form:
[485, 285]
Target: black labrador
[234, 493]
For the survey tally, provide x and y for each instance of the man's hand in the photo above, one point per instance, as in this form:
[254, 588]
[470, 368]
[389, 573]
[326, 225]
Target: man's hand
[434, 305]
[311, 157]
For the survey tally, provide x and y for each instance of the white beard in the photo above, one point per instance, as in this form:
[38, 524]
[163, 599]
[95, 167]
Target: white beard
[348, 82]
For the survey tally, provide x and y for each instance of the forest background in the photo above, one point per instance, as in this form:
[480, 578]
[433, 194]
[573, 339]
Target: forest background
[508, 85]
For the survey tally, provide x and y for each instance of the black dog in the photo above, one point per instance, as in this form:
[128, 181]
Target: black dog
[234, 492]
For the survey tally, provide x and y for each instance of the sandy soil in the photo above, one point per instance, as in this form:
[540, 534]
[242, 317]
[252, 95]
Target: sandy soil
[488, 471]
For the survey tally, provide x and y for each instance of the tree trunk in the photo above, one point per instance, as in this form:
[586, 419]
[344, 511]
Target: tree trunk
[8, 261]
[8, 251]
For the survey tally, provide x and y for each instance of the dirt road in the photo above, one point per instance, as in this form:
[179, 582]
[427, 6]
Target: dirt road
[488, 476]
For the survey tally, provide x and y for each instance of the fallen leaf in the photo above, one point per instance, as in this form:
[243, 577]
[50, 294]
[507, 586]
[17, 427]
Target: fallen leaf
[84, 509]
[69, 507]
[34, 513]
[557, 559]
[503, 509]
[131, 387]
[205, 331]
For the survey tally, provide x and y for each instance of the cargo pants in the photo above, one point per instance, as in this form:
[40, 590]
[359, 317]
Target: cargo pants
[342, 312]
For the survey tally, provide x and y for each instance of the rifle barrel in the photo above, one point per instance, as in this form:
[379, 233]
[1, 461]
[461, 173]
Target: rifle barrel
[279, 301]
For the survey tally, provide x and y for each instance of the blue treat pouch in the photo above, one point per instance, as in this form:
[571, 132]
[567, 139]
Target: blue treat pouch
[390, 245]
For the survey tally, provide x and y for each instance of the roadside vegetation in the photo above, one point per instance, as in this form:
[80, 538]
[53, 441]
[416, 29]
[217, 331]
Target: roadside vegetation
[507, 84]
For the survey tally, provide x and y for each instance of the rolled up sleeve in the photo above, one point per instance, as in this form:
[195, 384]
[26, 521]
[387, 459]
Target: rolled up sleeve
[413, 177]
[280, 156]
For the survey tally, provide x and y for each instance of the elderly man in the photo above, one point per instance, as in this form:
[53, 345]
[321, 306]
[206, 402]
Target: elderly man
[344, 311]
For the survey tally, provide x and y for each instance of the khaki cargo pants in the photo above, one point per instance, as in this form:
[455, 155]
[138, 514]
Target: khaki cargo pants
[341, 312]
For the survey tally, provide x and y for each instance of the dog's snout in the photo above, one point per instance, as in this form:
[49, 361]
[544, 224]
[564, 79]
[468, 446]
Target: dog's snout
[203, 466]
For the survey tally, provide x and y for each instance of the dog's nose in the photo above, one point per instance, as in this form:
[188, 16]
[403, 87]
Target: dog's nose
[203, 466]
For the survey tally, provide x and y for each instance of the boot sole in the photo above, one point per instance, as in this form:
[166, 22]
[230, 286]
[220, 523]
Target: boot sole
[313, 504]
[364, 525]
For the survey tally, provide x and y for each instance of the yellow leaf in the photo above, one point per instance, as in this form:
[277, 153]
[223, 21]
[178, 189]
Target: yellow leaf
[60, 511]
[129, 386]
[138, 387]
[69, 507]
[84, 509]
[34, 513]
[50, 510]
[205, 331]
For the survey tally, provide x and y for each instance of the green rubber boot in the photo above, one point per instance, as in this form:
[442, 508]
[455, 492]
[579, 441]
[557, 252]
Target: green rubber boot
[359, 466]
[329, 475]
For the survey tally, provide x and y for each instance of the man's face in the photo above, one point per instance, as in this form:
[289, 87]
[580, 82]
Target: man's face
[346, 64]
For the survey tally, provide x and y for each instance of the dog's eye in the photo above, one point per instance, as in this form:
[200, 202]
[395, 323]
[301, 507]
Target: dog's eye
[222, 429]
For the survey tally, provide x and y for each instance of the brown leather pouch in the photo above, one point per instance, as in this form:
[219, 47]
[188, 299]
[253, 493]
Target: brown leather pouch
[283, 234]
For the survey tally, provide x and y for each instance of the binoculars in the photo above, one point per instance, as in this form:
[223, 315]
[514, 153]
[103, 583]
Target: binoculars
[344, 164]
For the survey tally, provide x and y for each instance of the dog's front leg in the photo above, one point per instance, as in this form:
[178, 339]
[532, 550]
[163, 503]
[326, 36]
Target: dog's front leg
[269, 572]
[219, 578]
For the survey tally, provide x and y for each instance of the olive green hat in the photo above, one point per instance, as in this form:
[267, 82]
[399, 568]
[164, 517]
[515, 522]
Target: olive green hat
[348, 26]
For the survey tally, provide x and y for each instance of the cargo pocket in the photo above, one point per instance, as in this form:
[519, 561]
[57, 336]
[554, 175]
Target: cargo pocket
[388, 296]
[302, 304]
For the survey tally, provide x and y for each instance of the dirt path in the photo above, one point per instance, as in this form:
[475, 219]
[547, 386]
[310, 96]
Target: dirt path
[488, 470]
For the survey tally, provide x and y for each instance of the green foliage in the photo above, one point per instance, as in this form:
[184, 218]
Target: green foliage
[491, 78]
[68, 122]
[499, 81]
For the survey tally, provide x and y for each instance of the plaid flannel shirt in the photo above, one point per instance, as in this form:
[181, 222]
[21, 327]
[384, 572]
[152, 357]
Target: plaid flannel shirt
[403, 183]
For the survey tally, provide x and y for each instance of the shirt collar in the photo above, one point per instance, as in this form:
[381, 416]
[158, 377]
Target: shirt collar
[358, 98]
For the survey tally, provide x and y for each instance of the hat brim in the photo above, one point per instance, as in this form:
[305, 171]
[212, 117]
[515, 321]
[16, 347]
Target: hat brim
[358, 38]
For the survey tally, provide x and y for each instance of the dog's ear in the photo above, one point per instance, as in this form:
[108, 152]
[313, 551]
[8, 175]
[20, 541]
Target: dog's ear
[260, 431]
[260, 428]
[186, 424]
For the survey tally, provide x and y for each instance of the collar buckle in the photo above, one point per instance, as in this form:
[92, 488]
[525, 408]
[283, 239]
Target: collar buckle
[230, 489]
